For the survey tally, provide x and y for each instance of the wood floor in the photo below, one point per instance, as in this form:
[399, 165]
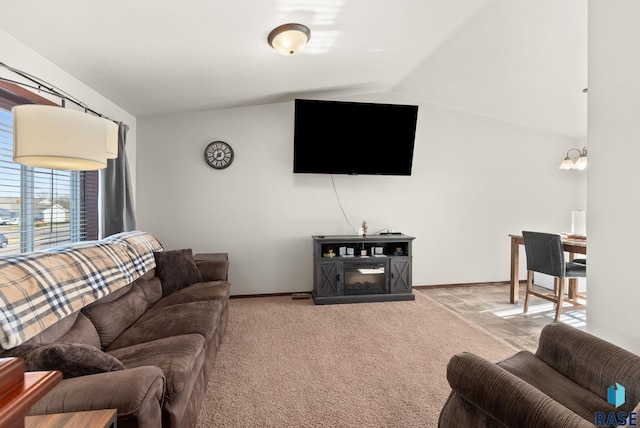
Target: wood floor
[488, 306]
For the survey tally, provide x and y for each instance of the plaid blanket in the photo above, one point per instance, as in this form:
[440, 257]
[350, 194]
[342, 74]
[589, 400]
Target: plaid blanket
[40, 288]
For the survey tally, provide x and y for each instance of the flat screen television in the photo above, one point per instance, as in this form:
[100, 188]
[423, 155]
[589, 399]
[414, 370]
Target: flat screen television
[338, 137]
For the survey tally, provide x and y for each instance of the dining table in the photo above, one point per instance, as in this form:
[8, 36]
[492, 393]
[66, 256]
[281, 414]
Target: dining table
[572, 244]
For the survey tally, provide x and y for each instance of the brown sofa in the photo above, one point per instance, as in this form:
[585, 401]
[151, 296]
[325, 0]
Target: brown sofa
[564, 384]
[147, 349]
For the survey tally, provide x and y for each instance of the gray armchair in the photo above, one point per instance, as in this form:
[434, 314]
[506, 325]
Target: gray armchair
[564, 384]
[545, 254]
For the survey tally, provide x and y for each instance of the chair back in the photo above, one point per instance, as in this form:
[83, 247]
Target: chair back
[544, 253]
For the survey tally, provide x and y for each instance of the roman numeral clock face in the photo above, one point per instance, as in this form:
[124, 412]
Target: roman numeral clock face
[218, 155]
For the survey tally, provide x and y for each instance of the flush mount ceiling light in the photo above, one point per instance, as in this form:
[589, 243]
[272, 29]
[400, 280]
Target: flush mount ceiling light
[289, 39]
[579, 163]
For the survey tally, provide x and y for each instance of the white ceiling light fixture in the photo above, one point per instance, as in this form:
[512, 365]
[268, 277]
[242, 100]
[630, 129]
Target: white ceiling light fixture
[58, 138]
[289, 39]
[580, 163]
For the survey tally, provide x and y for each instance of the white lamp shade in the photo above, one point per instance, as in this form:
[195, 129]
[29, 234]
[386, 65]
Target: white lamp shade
[58, 138]
[112, 139]
[566, 164]
[581, 163]
[289, 39]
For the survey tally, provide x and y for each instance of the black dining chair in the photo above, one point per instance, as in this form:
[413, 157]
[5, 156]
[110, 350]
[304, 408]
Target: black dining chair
[545, 254]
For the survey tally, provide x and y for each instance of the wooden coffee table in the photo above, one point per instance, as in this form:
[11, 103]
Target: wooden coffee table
[94, 419]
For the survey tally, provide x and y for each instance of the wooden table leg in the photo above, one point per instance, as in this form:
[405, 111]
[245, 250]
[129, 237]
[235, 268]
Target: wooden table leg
[515, 276]
[573, 282]
[573, 288]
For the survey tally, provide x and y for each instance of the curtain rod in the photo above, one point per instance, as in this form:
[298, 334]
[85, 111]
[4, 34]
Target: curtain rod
[48, 88]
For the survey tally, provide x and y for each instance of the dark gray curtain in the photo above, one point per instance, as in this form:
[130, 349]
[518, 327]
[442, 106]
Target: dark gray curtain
[118, 213]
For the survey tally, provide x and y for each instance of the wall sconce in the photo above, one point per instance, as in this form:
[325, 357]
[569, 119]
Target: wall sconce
[58, 138]
[579, 163]
[289, 39]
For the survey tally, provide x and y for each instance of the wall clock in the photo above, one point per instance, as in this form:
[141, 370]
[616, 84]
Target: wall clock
[218, 155]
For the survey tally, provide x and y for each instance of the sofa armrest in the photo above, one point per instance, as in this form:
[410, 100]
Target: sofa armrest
[212, 266]
[504, 397]
[136, 393]
[590, 361]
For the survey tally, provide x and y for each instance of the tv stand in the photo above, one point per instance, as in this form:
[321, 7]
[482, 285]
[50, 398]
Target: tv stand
[355, 269]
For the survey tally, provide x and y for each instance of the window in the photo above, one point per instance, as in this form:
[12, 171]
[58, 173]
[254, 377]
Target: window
[42, 208]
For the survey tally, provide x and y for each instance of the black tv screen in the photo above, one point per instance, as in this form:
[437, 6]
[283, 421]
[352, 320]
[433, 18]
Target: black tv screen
[337, 137]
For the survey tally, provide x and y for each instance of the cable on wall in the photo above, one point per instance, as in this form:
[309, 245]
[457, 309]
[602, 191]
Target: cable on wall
[340, 205]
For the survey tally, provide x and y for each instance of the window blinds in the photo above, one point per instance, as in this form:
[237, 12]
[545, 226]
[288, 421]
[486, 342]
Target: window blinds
[42, 208]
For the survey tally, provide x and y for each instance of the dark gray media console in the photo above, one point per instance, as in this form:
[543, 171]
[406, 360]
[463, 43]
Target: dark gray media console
[355, 269]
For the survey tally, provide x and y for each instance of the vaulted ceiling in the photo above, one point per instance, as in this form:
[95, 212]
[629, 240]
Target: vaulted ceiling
[518, 61]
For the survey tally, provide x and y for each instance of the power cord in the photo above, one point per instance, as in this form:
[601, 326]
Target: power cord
[340, 205]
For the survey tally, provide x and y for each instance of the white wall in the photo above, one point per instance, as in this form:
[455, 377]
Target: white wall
[17, 55]
[614, 148]
[474, 181]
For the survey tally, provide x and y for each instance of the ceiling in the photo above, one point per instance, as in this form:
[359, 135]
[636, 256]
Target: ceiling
[518, 61]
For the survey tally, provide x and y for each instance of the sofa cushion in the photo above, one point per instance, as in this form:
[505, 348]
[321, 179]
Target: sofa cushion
[82, 331]
[152, 289]
[186, 318]
[114, 317]
[72, 359]
[76, 328]
[177, 356]
[212, 290]
[176, 270]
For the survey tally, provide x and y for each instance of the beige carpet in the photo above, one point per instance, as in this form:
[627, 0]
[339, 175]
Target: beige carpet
[289, 363]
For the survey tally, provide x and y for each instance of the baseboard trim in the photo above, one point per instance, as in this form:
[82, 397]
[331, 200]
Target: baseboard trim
[246, 296]
[419, 287]
[466, 284]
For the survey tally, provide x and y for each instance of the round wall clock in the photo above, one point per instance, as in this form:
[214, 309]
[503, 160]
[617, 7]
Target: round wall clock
[218, 155]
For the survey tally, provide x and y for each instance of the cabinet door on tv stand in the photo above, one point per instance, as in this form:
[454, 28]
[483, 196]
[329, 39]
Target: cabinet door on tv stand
[400, 274]
[328, 280]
